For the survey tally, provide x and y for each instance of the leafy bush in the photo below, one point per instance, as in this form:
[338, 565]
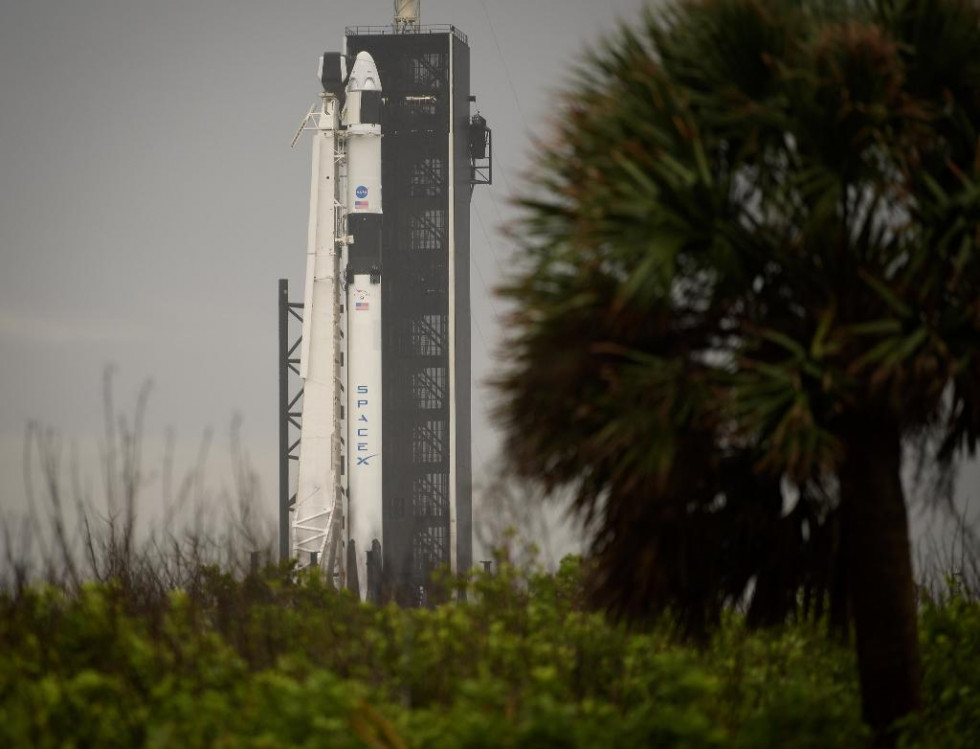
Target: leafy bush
[950, 634]
[279, 660]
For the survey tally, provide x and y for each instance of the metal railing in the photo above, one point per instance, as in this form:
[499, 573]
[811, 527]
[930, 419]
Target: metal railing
[392, 31]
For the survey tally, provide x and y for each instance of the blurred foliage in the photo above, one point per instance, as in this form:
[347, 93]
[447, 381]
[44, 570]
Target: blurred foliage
[747, 301]
[749, 256]
[279, 660]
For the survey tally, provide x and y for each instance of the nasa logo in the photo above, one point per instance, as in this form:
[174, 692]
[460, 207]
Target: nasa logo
[361, 303]
[361, 191]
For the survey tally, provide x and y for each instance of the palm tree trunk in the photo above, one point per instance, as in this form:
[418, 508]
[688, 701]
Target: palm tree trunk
[879, 571]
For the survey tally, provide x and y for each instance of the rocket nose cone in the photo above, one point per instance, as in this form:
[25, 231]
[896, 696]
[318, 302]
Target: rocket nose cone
[364, 74]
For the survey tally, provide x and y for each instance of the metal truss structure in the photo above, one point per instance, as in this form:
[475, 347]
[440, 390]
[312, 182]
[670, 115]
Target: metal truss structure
[428, 176]
[433, 153]
[290, 397]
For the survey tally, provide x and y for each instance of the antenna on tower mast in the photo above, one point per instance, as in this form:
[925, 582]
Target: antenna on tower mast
[407, 15]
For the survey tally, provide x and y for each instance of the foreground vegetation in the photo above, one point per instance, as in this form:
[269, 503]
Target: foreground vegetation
[272, 661]
[749, 256]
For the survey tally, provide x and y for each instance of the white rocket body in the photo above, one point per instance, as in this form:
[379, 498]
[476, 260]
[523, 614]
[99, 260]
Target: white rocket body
[361, 118]
[363, 202]
[316, 535]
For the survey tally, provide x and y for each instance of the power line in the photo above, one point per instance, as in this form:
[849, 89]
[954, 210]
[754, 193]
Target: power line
[486, 235]
[486, 289]
[503, 62]
[496, 207]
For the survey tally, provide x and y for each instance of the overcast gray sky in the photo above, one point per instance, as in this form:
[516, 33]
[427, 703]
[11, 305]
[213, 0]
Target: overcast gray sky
[149, 200]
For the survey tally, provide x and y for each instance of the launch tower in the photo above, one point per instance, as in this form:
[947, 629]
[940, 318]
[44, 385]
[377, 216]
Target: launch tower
[428, 173]
[434, 150]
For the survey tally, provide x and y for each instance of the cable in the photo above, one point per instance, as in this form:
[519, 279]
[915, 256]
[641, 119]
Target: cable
[503, 61]
[486, 236]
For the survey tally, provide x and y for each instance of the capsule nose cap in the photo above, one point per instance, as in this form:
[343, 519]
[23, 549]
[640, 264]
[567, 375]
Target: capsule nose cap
[364, 74]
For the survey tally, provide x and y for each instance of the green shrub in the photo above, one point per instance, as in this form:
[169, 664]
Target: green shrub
[279, 660]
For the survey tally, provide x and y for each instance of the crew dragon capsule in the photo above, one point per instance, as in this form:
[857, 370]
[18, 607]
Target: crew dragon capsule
[362, 120]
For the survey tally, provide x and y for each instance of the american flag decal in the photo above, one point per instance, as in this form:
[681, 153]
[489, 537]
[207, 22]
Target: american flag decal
[361, 306]
[360, 204]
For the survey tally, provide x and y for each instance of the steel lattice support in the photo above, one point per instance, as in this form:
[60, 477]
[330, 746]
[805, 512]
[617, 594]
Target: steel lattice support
[428, 177]
[289, 413]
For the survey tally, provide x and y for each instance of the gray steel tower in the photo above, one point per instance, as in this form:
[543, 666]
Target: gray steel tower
[433, 152]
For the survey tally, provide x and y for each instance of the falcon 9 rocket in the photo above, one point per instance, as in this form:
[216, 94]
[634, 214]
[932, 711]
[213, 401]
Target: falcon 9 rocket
[362, 119]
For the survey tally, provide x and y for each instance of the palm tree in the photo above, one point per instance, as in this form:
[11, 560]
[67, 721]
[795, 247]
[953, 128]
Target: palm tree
[751, 263]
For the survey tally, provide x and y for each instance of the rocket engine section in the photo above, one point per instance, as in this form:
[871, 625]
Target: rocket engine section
[362, 119]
